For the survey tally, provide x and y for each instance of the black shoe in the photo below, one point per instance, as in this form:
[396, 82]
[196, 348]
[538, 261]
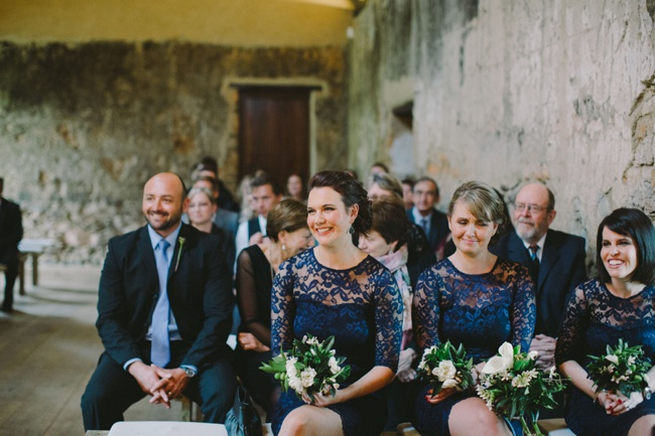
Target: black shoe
[6, 309]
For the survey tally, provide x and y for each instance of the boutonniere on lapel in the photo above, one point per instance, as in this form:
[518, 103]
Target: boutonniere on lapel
[180, 241]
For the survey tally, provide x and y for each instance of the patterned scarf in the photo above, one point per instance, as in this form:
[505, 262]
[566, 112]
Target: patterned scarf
[396, 262]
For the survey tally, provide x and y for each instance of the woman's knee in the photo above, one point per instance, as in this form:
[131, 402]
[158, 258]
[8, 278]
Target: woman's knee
[297, 422]
[643, 426]
[471, 416]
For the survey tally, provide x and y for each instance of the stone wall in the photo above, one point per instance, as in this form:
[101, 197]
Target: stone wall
[83, 126]
[507, 91]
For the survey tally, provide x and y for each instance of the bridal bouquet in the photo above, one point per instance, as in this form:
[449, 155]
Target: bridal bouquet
[445, 366]
[622, 369]
[310, 367]
[513, 386]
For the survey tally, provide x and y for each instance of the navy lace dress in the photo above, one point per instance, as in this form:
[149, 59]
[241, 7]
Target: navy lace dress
[360, 306]
[480, 311]
[594, 318]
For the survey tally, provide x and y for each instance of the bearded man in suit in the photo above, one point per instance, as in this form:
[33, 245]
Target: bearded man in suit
[164, 313]
[555, 260]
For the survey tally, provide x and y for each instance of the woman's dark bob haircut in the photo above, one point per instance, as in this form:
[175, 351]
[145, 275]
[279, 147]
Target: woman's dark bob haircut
[352, 192]
[636, 225]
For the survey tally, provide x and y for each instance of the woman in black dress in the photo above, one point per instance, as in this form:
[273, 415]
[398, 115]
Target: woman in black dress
[287, 235]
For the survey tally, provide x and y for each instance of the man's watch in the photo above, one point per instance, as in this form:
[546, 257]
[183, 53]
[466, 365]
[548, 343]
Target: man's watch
[190, 372]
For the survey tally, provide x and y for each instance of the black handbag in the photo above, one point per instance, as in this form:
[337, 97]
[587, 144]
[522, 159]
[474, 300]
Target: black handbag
[242, 419]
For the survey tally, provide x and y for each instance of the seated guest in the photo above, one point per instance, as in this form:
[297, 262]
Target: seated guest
[386, 186]
[408, 186]
[295, 188]
[265, 194]
[12, 232]
[256, 266]
[617, 305]
[209, 167]
[383, 185]
[556, 261]
[386, 242]
[200, 210]
[475, 299]
[433, 222]
[164, 313]
[224, 219]
[378, 168]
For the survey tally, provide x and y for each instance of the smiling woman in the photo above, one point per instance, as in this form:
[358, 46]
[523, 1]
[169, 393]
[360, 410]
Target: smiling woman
[474, 299]
[335, 289]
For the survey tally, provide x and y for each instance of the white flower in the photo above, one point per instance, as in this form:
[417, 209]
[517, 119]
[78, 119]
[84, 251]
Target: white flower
[334, 366]
[631, 360]
[612, 358]
[307, 376]
[445, 371]
[523, 380]
[552, 371]
[310, 340]
[500, 364]
[449, 383]
[291, 367]
[296, 384]
[532, 355]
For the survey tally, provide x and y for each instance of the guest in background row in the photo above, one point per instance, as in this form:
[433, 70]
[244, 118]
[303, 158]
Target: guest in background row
[408, 188]
[295, 188]
[257, 265]
[386, 241]
[424, 213]
[209, 167]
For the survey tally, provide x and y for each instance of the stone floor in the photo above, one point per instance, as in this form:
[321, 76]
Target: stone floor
[48, 349]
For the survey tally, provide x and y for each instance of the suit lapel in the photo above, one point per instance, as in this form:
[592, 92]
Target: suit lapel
[516, 249]
[548, 259]
[179, 250]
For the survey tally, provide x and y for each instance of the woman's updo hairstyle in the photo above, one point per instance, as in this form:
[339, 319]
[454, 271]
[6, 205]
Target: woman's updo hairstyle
[352, 192]
[288, 215]
[484, 203]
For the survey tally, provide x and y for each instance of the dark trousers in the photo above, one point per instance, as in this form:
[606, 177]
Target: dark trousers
[111, 390]
[10, 278]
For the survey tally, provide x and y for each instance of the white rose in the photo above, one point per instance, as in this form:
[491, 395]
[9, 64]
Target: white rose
[445, 371]
[612, 358]
[500, 364]
[450, 383]
[532, 355]
[296, 384]
[334, 366]
[307, 376]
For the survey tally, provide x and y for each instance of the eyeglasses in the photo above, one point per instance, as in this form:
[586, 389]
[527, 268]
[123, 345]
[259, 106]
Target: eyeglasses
[530, 207]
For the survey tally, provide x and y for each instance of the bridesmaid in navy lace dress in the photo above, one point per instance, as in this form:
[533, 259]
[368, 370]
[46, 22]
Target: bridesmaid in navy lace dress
[336, 289]
[620, 304]
[472, 298]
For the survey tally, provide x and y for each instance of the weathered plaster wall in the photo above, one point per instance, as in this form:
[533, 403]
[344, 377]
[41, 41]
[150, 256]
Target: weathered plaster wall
[83, 126]
[506, 91]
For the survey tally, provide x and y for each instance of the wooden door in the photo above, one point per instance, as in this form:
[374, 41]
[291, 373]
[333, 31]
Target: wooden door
[274, 131]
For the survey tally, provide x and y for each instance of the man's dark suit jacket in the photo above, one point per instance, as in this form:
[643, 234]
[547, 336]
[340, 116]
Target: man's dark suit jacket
[200, 295]
[439, 230]
[11, 229]
[561, 269]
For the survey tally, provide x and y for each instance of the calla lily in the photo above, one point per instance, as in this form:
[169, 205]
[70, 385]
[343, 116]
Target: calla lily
[502, 363]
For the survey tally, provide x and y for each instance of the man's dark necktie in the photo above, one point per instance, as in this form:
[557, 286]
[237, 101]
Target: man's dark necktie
[534, 262]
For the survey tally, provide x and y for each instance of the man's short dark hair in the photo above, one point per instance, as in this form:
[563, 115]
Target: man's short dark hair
[210, 179]
[381, 165]
[431, 180]
[262, 179]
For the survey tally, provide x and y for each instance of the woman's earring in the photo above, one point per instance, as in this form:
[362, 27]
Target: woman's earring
[284, 249]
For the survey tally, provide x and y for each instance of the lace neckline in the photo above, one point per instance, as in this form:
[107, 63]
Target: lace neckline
[335, 269]
[493, 268]
[606, 289]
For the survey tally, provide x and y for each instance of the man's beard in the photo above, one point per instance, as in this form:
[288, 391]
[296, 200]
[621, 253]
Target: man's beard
[172, 220]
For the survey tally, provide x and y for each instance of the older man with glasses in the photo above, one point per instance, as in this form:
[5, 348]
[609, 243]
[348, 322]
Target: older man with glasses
[556, 261]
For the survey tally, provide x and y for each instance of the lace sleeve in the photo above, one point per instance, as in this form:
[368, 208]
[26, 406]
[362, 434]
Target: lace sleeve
[573, 327]
[425, 310]
[388, 321]
[524, 311]
[246, 286]
[283, 309]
